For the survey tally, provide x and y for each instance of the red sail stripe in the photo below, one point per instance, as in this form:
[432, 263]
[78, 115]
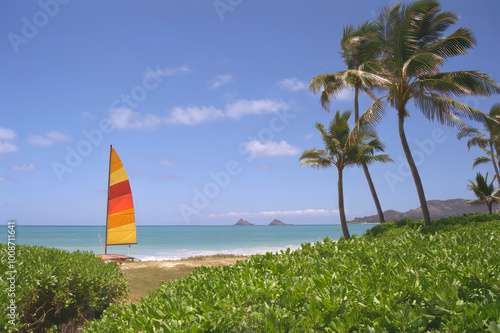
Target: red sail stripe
[121, 203]
[119, 190]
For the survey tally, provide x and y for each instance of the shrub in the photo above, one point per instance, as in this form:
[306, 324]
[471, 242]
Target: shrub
[55, 287]
[443, 224]
[408, 281]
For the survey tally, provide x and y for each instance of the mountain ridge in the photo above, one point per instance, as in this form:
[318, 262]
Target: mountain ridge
[437, 209]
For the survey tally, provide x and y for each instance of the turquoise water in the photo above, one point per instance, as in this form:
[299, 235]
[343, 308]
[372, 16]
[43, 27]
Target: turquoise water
[175, 242]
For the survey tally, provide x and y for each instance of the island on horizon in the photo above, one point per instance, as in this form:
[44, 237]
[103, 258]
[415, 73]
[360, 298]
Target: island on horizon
[277, 222]
[243, 222]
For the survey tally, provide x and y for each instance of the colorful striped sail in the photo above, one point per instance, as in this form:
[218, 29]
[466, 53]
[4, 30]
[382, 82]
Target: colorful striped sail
[120, 226]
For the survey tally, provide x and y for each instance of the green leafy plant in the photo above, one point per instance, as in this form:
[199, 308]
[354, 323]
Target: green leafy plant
[55, 288]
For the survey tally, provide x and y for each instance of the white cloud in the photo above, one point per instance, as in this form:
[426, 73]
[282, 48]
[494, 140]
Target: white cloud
[301, 212]
[7, 134]
[298, 212]
[123, 119]
[243, 107]
[7, 147]
[292, 84]
[158, 72]
[23, 167]
[5, 179]
[257, 148]
[221, 80]
[47, 139]
[193, 115]
[165, 161]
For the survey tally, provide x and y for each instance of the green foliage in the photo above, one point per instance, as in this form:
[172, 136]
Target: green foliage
[55, 287]
[403, 280]
[444, 224]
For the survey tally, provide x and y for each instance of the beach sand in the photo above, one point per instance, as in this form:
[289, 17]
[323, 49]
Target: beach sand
[145, 276]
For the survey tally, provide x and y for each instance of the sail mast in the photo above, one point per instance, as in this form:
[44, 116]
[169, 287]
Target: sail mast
[107, 201]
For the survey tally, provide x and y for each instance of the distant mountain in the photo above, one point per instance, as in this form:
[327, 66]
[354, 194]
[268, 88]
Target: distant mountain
[437, 209]
[243, 222]
[277, 222]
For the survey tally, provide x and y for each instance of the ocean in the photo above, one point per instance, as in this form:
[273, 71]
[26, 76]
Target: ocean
[177, 242]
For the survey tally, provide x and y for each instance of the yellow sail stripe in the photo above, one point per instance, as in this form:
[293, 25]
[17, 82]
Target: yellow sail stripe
[124, 234]
[118, 176]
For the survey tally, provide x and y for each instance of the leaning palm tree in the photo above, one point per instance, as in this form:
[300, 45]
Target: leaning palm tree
[359, 50]
[489, 142]
[485, 193]
[413, 50]
[345, 147]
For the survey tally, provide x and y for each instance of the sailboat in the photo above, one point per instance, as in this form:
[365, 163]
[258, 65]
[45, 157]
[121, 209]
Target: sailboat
[120, 216]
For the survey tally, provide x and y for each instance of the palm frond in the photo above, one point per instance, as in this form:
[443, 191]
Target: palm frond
[315, 158]
[375, 112]
[445, 109]
[478, 141]
[473, 203]
[370, 159]
[468, 131]
[458, 43]
[480, 160]
[422, 63]
[460, 83]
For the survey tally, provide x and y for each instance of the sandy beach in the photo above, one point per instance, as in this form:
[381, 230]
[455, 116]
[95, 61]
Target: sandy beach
[145, 276]
[186, 263]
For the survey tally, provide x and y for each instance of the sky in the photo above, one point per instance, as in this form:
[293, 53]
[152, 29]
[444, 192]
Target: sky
[206, 103]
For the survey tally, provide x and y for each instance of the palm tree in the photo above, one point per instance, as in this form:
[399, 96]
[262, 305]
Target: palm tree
[413, 50]
[359, 49]
[345, 147]
[489, 142]
[484, 192]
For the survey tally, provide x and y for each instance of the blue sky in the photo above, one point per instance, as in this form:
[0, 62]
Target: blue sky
[206, 102]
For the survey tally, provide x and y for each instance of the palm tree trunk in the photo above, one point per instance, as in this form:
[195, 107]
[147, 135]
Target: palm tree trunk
[380, 212]
[494, 162]
[343, 221]
[374, 193]
[413, 168]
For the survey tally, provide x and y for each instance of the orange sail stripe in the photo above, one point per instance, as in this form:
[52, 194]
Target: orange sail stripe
[118, 220]
[116, 163]
[121, 203]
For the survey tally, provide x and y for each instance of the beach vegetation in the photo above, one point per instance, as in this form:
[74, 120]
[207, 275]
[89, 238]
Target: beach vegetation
[406, 277]
[56, 290]
[345, 147]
